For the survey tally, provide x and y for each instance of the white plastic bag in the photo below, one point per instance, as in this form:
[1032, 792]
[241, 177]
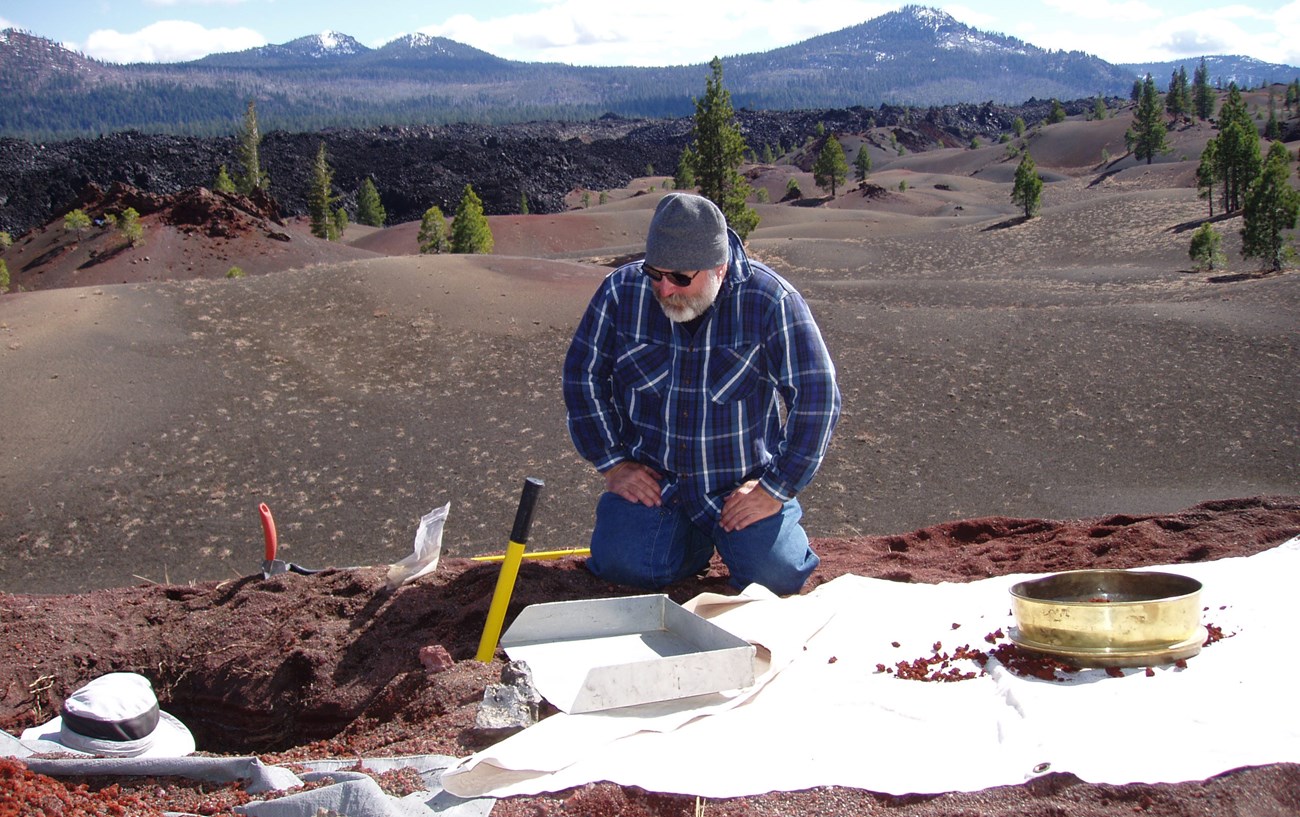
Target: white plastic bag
[428, 547]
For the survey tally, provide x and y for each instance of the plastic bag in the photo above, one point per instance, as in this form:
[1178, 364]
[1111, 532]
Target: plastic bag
[428, 547]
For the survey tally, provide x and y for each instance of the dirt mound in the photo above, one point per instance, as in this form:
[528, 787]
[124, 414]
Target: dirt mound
[195, 233]
[330, 664]
[223, 215]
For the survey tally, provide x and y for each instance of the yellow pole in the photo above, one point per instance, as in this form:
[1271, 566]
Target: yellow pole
[487, 645]
[540, 554]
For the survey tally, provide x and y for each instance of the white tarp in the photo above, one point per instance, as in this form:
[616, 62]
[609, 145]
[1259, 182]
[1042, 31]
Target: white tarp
[824, 716]
[353, 792]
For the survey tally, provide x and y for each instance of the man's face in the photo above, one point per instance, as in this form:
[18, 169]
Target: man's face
[686, 303]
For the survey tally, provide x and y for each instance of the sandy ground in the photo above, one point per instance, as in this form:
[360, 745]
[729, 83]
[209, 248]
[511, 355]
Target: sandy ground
[1066, 366]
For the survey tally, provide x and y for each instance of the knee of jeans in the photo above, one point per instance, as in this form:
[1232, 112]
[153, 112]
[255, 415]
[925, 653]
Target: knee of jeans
[618, 572]
[784, 580]
[635, 546]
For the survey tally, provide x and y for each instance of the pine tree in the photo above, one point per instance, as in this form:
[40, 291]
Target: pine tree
[862, 164]
[1202, 93]
[1027, 192]
[1237, 152]
[1272, 205]
[248, 151]
[1207, 173]
[523, 204]
[1272, 128]
[338, 224]
[1206, 248]
[719, 151]
[1057, 114]
[1178, 102]
[223, 183]
[433, 232]
[470, 232]
[684, 178]
[1098, 107]
[1149, 134]
[320, 196]
[77, 221]
[1018, 127]
[4, 276]
[370, 210]
[831, 168]
[130, 227]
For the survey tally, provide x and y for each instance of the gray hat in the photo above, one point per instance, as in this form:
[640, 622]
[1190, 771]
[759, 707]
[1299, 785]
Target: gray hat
[115, 715]
[687, 233]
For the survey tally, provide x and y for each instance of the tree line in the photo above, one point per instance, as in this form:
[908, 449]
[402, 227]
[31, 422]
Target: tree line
[1232, 169]
[1230, 165]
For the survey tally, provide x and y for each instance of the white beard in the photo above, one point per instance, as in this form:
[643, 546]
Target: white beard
[682, 308]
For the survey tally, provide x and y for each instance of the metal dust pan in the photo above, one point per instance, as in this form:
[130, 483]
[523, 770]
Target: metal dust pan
[597, 654]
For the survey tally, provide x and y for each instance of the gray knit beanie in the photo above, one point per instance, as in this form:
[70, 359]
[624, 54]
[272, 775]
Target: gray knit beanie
[687, 233]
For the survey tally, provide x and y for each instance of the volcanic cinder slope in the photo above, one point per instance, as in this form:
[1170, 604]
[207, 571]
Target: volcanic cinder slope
[1068, 365]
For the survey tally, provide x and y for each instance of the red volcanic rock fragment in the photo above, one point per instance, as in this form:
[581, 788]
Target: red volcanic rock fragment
[435, 659]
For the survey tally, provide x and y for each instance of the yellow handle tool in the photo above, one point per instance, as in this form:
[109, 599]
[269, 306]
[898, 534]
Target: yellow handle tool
[487, 644]
[540, 554]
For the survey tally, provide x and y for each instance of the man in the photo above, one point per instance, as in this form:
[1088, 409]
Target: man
[698, 384]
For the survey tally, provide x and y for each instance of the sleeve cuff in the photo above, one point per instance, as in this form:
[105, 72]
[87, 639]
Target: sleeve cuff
[774, 489]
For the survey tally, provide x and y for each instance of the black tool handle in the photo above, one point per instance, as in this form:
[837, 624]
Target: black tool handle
[524, 516]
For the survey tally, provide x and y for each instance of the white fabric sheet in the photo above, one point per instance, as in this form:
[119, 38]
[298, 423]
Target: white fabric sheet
[832, 720]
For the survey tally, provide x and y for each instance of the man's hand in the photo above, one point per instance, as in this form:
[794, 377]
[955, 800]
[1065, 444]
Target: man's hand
[746, 505]
[634, 482]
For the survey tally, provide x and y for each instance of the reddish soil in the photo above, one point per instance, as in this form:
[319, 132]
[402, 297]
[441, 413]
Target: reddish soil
[328, 665]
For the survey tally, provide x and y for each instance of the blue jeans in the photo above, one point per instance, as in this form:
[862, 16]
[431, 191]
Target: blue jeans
[651, 548]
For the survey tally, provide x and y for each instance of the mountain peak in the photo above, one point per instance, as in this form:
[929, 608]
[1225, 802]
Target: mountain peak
[932, 18]
[325, 44]
[37, 59]
[419, 45]
[937, 29]
[334, 41]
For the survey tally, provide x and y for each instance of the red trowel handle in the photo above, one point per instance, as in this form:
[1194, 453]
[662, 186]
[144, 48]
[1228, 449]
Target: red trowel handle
[268, 530]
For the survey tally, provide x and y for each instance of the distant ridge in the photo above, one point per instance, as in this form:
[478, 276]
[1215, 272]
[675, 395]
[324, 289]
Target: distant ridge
[1247, 72]
[915, 56]
[329, 45]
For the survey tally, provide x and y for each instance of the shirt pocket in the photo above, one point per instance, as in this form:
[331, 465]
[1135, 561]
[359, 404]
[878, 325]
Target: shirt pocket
[643, 368]
[733, 373]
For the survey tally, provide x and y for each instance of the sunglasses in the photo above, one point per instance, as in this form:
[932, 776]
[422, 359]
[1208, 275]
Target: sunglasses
[679, 279]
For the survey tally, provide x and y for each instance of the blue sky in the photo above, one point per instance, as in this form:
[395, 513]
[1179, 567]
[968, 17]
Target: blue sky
[663, 32]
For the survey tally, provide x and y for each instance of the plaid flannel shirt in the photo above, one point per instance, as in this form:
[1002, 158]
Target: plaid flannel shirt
[705, 409]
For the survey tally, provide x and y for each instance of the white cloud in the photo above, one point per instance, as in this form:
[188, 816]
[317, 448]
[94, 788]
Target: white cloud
[1128, 11]
[666, 32]
[1268, 36]
[168, 41]
[1287, 22]
[1129, 32]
